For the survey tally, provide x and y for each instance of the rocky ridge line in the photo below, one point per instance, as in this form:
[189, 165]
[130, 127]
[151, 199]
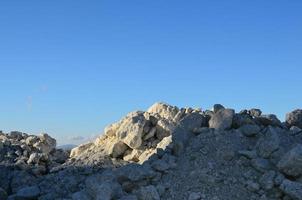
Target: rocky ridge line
[163, 153]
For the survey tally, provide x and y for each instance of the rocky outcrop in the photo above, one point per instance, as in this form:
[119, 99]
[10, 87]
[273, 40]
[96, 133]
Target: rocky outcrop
[165, 152]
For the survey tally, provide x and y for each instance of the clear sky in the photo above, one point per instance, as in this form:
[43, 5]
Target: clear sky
[69, 67]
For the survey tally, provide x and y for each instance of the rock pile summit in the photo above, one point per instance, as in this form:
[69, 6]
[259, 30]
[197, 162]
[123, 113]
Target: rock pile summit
[164, 153]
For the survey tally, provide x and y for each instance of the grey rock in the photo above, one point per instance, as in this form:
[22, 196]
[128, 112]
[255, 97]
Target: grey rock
[30, 192]
[268, 143]
[295, 130]
[291, 162]
[80, 195]
[217, 107]
[248, 154]
[294, 118]
[134, 172]
[252, 186]
[194, 196]
[160, 165]
[222, 119]
[192, 121]
[117, 149]
[255, 112]
[292, 189]
[148, 193]
[250, 130]
[128, 197]
[267, 180]
[261, 164]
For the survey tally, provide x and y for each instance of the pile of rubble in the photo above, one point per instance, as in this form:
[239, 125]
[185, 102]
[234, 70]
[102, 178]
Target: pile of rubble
[163, 153]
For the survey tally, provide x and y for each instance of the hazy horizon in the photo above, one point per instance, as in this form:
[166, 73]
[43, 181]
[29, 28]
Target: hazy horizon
[71, 68]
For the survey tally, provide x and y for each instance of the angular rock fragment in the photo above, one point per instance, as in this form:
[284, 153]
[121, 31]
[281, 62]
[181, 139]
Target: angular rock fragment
[268, 143]
[222, 119]
[291, 162]
[294, 118]
[292, 189]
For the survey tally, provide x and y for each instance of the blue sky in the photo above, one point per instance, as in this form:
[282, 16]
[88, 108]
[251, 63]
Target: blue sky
[71, 67]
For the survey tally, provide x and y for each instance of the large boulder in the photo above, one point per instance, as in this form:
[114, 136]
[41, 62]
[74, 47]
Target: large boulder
[294, 118]
[117, 149]
[46, 143]
[291, 162]
[131, 129]
[268, 143]
[222, 119]
[164, 110]
[292, 189]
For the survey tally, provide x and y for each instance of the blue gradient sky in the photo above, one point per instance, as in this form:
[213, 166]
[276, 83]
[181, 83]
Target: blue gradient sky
[71, 67]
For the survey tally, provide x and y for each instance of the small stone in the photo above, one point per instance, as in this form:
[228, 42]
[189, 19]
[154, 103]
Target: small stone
[148, 193]
[261, 164]
[252, 186]
[248, 154]
[195, 196]
[255, 112]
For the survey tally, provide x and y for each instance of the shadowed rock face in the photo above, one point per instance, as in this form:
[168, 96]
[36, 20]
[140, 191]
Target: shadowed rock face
[164, 153]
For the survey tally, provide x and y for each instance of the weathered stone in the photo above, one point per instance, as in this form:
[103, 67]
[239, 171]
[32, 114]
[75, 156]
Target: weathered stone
[34, 158]
[164, 128]
[295, 130]
[164, 110]
[131, 129]
[222, 119]
[292, 189]
[294, 118]
[217, 107]
[46, 143]
[268, 143]
[195, 196]
[291, 162]
[254, 112]
[150, 134]
[252, 186]
[160, 165]
[80, 195]
[27, 193]
[117, 149]
[134, 172]
[102, 188]
[80, 149]
[261, 164]
[148, 193]
[267, 180]
[192, 121]
[249, 130]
